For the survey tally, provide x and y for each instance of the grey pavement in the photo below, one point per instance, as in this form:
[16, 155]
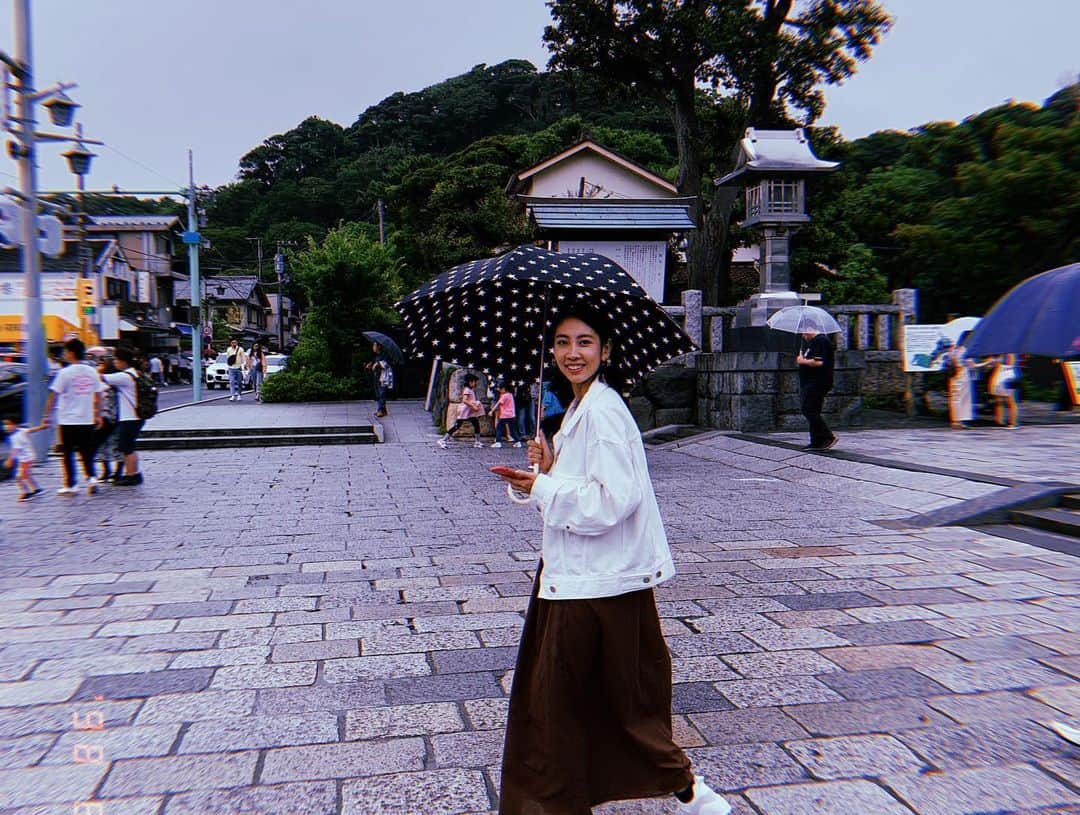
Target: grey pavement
[332, 630]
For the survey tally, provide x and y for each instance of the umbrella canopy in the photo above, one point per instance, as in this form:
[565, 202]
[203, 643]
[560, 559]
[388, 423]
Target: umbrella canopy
[1040, 316]
[797, 319]
[388, 345]
[492, 315]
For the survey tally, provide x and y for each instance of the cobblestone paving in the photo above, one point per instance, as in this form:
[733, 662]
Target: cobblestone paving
[331, 631]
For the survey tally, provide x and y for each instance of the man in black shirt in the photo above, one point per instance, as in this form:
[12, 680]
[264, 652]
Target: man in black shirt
[815, 362]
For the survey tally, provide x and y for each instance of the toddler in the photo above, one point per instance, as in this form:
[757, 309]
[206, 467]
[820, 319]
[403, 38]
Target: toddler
[22, 456]
[505, 414]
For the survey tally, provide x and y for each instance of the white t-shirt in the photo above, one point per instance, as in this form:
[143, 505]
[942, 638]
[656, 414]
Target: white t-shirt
[125, 394]
[22, 449]
[75, 387]
[155, 365]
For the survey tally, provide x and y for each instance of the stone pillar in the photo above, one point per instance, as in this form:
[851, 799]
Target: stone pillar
[908, 300]
[716, 333]
[884, 321]
[692, 302]
[844, 341]
[864, 331]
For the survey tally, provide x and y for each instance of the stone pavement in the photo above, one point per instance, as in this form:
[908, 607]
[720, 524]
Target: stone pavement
[332, 630]
[1046, 451]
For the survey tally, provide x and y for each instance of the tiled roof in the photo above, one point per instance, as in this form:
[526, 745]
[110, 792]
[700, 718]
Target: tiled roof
[237, 287]
[131, 223]
[577, 213]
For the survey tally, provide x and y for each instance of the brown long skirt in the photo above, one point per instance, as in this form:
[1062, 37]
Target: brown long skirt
[590, 708]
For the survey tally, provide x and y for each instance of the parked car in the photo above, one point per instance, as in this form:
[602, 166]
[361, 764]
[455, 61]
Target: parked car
[217, 372]
[276, 363]
[12, 387]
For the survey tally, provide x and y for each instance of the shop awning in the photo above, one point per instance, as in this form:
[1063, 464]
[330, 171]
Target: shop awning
[183, 328]
[127, 325]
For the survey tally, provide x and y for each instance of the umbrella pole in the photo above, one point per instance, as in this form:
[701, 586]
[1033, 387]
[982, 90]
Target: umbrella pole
[515, 496]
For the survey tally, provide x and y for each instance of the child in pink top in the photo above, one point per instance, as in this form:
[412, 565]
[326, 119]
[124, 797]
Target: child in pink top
[470, 410]
[505, 414]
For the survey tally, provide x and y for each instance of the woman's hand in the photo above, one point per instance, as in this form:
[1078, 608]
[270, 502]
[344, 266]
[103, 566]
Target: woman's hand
[522, 481]
[540, 454]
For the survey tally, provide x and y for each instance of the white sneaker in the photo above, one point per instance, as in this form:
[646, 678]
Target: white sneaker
[477, 444]
[68, 491]
[1070, 734]
[442, 443]
[92, 485]
[497, 444]
[517, 444]
[704, 802]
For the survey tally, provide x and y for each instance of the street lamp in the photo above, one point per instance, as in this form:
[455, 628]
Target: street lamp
[62, 109]
[78, 158]
[17, 78]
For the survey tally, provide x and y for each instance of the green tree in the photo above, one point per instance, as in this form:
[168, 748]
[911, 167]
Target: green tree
[770, 57]
[351, 282]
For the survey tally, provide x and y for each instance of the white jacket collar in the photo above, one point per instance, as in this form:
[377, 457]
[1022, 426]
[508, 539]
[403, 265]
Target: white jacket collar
[591, 395]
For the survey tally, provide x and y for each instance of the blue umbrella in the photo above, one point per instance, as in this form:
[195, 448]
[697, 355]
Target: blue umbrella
[1040, 316]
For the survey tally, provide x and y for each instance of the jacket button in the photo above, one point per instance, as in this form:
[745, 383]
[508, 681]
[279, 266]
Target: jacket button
[568, 526]
[551, 589]
[658, 574]
[645, 580]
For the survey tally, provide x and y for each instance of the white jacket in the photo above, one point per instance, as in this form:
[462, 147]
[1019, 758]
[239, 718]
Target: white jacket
[602, 530]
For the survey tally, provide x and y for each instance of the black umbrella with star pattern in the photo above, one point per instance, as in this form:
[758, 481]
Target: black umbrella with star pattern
[492, 315]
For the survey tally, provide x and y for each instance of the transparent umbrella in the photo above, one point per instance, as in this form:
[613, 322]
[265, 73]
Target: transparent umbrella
[797, 319]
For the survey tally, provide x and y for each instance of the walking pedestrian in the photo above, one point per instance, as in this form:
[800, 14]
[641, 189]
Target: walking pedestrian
[108, 453]
[76, 392]
[257, 363]
[961, 371]
[505, 414]
[470, 410]
[1003, 382]
[157, 370]
[383, 372]
[590, 706]
[526, 410]
[551, 411]
[22, 457]
[815, 361]
[237, 362]
[129, 423]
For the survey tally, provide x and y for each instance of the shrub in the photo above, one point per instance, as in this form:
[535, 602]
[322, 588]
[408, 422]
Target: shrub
[314, 386]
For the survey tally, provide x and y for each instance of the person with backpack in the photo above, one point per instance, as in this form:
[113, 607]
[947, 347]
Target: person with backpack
[383, 371]
[137, 400]
[237, 360]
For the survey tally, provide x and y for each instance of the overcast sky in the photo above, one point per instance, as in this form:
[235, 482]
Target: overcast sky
[158, 76]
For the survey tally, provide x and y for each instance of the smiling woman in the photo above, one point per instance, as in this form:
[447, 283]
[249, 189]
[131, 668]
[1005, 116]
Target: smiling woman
[590, 707]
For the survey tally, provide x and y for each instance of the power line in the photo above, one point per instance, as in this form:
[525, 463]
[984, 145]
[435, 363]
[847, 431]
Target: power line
[145, 166]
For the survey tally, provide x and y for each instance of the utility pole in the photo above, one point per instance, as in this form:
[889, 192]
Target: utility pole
[193, 240]
[34, 403]
[279, 268]
[258, 244]
[382, 215]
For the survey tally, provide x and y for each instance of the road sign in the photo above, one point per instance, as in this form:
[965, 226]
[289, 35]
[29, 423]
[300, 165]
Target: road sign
[10, 223]
[50, 235]
[279, 263]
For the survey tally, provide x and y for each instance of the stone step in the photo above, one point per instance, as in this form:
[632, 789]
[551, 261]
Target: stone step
[1071, 501]
[294, 439]
[1058, 521]
[209, 432]
[1050, 541]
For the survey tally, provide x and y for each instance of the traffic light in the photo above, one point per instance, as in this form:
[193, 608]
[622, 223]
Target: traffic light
[85, 296]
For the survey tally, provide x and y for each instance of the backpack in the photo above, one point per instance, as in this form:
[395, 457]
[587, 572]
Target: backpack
[146, 395]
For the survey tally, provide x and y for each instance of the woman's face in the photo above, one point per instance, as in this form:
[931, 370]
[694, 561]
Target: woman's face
[578, 352]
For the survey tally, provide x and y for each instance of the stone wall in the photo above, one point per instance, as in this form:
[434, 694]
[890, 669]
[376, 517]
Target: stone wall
[758, 391]
[668, 395]
[446, 398]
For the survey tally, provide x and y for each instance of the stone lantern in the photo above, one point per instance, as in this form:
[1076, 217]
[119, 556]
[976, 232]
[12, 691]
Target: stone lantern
[772, 167]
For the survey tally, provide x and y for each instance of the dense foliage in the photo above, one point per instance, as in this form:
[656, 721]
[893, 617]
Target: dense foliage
[961, 211]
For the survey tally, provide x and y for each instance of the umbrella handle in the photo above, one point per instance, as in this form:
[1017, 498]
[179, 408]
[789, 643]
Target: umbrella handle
[521, 498]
